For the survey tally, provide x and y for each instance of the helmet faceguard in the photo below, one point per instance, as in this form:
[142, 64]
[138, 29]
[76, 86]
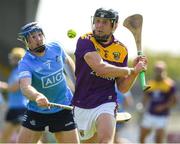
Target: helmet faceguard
[26, 31]
[106, 14]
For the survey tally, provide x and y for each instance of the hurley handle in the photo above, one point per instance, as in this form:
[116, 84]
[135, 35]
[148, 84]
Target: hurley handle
[142, 77]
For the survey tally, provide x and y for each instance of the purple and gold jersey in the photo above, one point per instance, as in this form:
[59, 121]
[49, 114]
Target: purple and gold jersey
[93, 90]
[160, 93]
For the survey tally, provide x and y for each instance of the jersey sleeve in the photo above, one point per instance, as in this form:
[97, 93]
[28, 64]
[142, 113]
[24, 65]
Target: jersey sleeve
[83, 46]
[173, 90]
[125, 62]
[24, 71]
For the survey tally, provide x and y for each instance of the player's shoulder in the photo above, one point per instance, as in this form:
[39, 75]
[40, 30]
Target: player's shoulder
[87, 36]
[164, 85]
[86, 39]
[169, 81]
[116, 41]
[54, 44]
[26, 62]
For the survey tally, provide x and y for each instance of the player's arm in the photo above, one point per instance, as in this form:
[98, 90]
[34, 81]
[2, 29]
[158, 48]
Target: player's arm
[173, 98]
[126, 82]
[10, 88]
[31, 93]
[97, 64]
[70, 68]
[170, 103]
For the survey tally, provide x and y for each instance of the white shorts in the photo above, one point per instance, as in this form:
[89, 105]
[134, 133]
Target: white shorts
[86, 118]
[153, 121]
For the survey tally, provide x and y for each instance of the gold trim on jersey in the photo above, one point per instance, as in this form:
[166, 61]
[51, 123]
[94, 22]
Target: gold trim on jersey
[115, 52]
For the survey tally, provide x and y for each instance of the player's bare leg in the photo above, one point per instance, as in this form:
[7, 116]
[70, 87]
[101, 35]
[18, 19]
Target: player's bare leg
[8, 131]
[44, 138]
[28, 136]
[144, 132]
[105, 130]
[106, 124]
[159, 136]
[67, 136]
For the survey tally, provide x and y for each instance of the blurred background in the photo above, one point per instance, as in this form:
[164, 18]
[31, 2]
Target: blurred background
[160, 38]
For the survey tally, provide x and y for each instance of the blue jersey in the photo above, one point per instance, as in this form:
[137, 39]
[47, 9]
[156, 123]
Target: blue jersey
[47, 76]
[15, 99]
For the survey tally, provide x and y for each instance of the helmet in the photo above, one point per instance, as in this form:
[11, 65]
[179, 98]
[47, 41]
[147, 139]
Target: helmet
[107, 13]
[27, 29]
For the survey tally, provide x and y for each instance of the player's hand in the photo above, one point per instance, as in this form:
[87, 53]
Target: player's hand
[140, 66]
[138, 59]
[42, 101]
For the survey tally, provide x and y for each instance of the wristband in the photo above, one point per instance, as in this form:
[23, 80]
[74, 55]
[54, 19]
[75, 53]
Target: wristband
[129, 71]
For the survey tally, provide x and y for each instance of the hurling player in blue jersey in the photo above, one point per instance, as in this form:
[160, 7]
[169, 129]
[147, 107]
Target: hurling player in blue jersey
[42, 80]
[16, 102]
[157, 102]
[101, 61]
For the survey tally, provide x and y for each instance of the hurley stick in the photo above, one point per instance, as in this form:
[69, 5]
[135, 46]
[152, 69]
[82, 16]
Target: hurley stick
[134, 24]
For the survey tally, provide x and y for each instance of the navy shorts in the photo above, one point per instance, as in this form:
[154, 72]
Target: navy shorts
[54, 122]
[15, 115]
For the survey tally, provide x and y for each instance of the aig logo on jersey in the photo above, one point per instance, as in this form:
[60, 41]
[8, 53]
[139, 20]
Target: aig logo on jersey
[52, 79]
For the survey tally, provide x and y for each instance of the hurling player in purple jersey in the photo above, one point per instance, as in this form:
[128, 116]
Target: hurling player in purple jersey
[159, 99]
[101, 61]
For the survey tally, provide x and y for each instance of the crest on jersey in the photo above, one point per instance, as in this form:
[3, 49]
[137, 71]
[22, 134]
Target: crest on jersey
[58, 59]
[98, 50]
[116, 55]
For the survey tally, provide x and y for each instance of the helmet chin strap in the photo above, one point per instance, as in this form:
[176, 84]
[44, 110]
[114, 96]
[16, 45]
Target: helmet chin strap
[39, 49]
